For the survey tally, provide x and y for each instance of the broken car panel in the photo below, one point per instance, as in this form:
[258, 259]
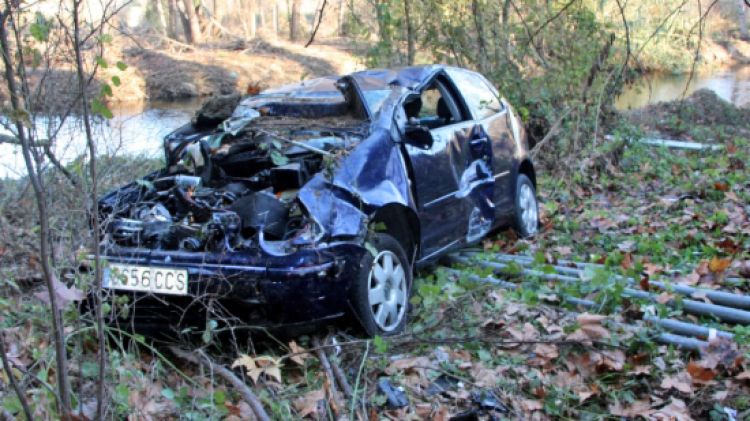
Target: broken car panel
[272, 203]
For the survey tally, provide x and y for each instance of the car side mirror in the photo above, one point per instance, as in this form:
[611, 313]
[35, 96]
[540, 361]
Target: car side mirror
[418, 135]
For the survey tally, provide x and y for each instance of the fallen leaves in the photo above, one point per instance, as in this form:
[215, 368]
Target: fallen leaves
[680, 382]
[256, 366]
[590, 328]
[718, 265]
[700, 374]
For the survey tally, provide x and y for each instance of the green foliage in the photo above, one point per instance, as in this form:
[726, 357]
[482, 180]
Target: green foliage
[39, 30]
[98, 107]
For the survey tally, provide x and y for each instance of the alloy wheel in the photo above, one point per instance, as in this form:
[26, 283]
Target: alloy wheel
[387, 291]
[529, 210]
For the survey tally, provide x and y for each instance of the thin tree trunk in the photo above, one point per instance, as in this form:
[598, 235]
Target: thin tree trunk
[276, 19]
[410, 39]
[481, 43]
[12, 380]
[173, 19]
[252, 16]
[261, 15]
[161, 16]
[193, 27]
[342, 31]
[294, 21]
[61, 357]
[93, 211]
[743, 20]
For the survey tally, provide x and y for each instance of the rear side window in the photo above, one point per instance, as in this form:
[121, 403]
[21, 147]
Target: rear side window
[479, 96]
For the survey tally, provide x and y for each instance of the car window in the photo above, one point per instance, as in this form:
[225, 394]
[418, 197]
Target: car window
[434, 108]
[479, 96]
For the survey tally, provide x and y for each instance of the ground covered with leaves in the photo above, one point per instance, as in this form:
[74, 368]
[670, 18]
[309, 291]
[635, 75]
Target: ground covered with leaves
[477, 350]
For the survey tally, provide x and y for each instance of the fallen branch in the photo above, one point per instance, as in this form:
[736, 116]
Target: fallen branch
[329, 373]
[341, 379]
[551, 133]
[199, 358]
[13, 382]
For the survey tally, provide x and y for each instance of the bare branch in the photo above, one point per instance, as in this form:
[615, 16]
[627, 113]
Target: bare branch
[200, 358]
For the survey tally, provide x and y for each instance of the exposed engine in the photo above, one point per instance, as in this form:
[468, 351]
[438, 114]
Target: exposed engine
[229, 187]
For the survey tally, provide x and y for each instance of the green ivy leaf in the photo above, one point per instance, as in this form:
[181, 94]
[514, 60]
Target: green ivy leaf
[100, 108]
[101, 62]
[106, 90]
[116, 80]
[121, 65]
[381, 346]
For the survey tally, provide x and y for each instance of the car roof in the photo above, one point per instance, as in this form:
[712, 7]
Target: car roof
[372, 79]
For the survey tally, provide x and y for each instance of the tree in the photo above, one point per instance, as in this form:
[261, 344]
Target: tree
[294, 21]
[410, 36]
[743, 20]
[190, 23]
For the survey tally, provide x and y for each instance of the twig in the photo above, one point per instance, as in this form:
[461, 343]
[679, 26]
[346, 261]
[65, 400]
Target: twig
[341, 379]
[329, 373]
[12, 380]
[320, 19]
[228, 375]
[551, 133]
[356, 381]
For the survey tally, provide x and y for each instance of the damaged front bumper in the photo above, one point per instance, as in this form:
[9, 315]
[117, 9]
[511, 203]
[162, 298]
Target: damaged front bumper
[251, 287]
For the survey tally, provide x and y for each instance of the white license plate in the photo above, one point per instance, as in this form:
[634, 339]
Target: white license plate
[147, 279]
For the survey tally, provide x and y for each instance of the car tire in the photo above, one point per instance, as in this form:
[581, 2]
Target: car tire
[526, 218]
[380, 294]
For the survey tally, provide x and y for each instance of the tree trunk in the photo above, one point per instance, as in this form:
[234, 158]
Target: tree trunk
[342, 15]
[381, 8]
[261, 15]
[294, 21]
[276, 19]
[410, 42]
[45, 251]
[172, 19]
[743, 20]
[159, 7]
[481, 43]
[192, 27]
[252, 16]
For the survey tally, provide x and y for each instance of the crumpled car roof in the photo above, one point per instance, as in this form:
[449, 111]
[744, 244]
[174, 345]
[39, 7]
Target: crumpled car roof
[407, 77]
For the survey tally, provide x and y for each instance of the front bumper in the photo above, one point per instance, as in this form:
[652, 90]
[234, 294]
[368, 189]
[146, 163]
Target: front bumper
[254, 287]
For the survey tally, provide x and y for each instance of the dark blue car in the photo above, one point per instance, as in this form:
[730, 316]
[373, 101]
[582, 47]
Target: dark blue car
[317, 200]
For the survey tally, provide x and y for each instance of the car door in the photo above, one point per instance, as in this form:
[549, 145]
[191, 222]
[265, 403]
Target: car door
[495, 121]
[446, 175]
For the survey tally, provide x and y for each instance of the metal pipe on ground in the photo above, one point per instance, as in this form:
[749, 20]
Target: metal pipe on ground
[572, 265]
[727, 314]
[716, 296]
[663, 337]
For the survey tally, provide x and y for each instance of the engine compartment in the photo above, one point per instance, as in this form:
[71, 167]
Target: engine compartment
[234, 185]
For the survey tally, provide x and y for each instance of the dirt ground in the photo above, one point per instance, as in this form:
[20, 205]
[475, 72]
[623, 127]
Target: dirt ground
[168, 71]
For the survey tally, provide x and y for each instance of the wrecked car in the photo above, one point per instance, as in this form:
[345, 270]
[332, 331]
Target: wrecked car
[318, 200]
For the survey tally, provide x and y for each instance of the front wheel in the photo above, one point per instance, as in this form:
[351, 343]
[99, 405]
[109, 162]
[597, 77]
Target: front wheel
[526, 221]
[380, 295]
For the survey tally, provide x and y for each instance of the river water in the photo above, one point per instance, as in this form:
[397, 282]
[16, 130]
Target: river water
[138, 130]
[732, 85]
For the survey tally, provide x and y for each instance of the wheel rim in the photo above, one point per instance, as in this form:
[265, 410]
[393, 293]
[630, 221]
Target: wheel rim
[387, 291]
[529, 212]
